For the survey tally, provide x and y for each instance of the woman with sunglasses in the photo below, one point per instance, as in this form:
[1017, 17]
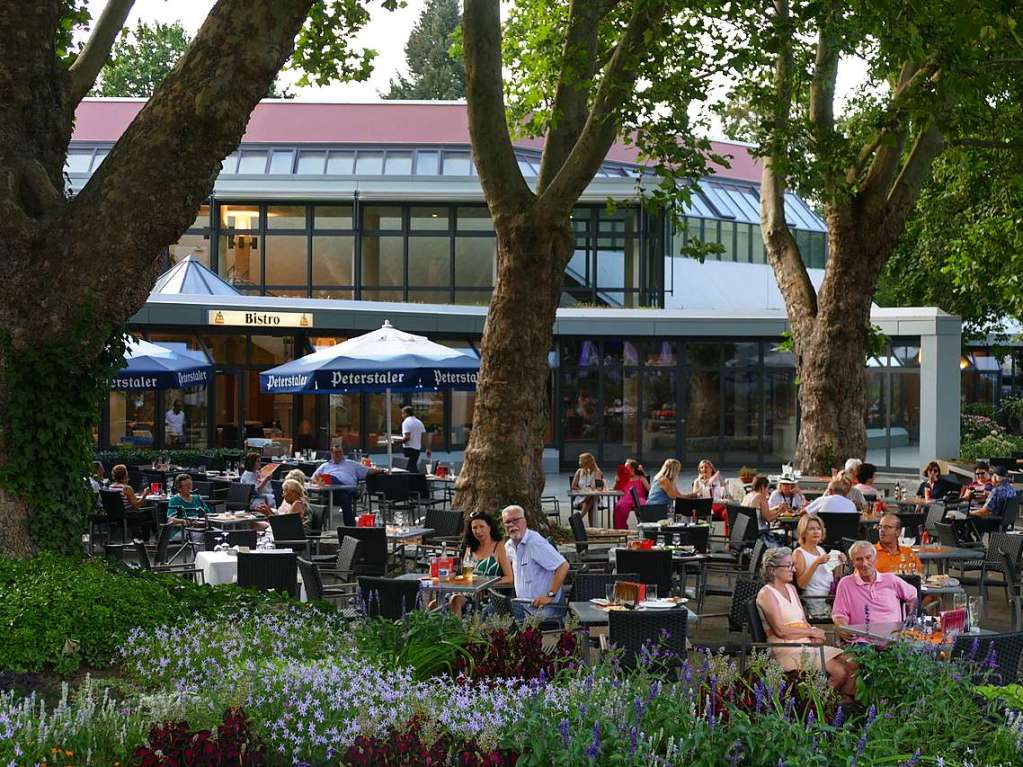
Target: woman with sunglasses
[484, 554]
[981, 485]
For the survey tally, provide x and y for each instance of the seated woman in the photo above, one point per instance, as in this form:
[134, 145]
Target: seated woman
[187, 509]
[757, 499]
[981, 485]
[485, 554]
[294, 499]
[664, 487]
[140, 528]
[586, 477]
[785, 622]
[631, 476]
[708, 484]
[934, 487]
[263, 501]
[812, 577]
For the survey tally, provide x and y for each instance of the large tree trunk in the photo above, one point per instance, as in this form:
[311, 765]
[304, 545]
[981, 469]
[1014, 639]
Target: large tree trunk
[76, 270]
[503, 461]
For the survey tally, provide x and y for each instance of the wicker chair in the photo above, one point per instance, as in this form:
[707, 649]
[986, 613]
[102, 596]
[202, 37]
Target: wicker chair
[269, 571]
[289, 532]
[1007, 651]
[654, 568]
[389, 598]
[315, 590]
[589, 586]
[652, 512]
[660, 633]
[595, 557]
[144, 562]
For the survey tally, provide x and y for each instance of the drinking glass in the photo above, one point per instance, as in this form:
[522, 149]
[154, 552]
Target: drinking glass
[959, 601]
[975, 608]
[651, 592]
[609, 591]
[678, 539]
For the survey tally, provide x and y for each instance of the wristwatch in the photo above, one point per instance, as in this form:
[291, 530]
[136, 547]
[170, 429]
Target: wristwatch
[551, 594]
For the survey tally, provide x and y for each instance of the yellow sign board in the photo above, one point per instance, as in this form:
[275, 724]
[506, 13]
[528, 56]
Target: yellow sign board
[257, 319]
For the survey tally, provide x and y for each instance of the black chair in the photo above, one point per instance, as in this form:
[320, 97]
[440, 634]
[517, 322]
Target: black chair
[999, 545]
[652, 512]
[595, 557]
[935, 514]
[758, 634]
[203, 488]
[702, 507]
[1011, 574]
[347, 557]
[389, 598]
[446, 524]
[115, 514]
[839, 525]
[550, 504]
[658, 635]
[142, 557]
[399, 462]
[392, 492]
[1005, 651]
[277, 485]
[374, 558]
[1010, 513]
[697, 536]
[654, 568]
[420, 485]
[316, 514]
[589, 586]
[289, 532]
[269, 571]
[913, 521]
[315, 590]
[239, 538]
[239, 496]
[500, 602]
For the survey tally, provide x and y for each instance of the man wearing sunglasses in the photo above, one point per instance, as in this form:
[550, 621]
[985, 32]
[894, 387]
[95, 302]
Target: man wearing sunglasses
[538, 567]
[981, 484]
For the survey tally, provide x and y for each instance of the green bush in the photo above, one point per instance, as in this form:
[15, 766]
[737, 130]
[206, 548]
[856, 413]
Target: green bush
[58, 612]
[985, 409]
[991, 445]
[214, 458]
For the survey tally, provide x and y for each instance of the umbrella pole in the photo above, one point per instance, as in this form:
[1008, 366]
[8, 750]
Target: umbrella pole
[390, 462]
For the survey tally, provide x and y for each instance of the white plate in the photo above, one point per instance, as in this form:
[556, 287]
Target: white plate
[661, 604]
[949, 583]
[600, 602]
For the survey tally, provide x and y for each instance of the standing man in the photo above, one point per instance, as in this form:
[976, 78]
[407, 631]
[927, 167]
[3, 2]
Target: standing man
[345, 475]
[412, 431]
[174, 424]
[538, 567]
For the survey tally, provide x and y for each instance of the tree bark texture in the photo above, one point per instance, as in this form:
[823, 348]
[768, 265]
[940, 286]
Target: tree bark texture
[504, 458]
[76, 269]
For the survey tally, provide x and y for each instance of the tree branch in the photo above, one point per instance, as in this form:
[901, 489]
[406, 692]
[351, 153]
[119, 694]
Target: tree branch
[503, 186]
[164, 164]
[822, 86]
[906, 189]
[94, 55]
[783, 253]
[602, 124]
[568, 115]
[980, 143]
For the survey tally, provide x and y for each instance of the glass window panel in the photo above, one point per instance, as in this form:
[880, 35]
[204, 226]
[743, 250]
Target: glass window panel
[78, 161]
[876, 408]
[382, 295]
[311, 163]
[381, 217]
[266, 415]
[286, 260]
[202, 218]
[226, 349]
[341, 294]
[474, 219]
[773, 358]
[905, 416]
[239, 259]
[345, 420]
[704, 355]
[271, 290]
[759, 254]
[369, 164]
[98, 158]
[579, 352]
[398, 164]
[252, 162]
[742, 242]
[728, 240]
[195, 245]
[580, 394]
[285, 217]
[428, 408]
[226, 401]
[271, 350]
[429, 261]
[420, 296]
[428, 218]
[332, 217]
[457, 164]
[780, 412]
[660, 417]
[376, 422]
[908, 355]
[472, 297]
[281, 161]
[742, 354]
[526, 168]
[742, 417]
[661, 353]
[382, 261]
[475, 262]
[618, 263]
[621, 414]
[341, 163]
[333, 260]
[239, 216]
[462, 405]
[133, 418]
[193, 405]
[427, 163]
[702, 414]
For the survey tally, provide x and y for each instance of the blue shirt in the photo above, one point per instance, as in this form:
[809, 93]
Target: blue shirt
[347, 473]
[996, 500]
[533, 562]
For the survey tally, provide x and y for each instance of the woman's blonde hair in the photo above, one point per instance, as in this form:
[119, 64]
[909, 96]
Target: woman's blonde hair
[587, 462]
[771, 559]
[804, 524]
[296, 474]
[293, 484]
[707, 462]
[669, 470]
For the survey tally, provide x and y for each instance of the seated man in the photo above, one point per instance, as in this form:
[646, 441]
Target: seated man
[981, 484]
[346, 475]
[1000, 493]
[538, 568]
[851, 475]
[869, 596]
[891, 557]
[833, 499]
[787, 498]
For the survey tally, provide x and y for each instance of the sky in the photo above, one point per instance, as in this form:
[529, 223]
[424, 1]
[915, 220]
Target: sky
[387, 33]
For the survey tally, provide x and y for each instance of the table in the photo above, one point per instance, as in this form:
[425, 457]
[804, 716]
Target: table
[221, 567]
[240, 521]
[469, 587]
[329, 490]
[883, 633]
[678, 558]
[589, 615]
[605, 499]
[942, 555]
[395, 533]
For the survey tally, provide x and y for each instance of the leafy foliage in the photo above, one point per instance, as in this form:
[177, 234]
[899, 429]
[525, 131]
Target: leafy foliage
[212, 458]
[173, 743]
[428, 643]
[434, 72]
[59, 611]
[411, 745]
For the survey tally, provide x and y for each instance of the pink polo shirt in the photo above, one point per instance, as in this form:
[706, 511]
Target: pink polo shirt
[884, 597]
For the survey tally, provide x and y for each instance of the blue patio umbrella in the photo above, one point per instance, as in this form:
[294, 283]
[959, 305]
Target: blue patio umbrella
[383, 360]
[149, 366]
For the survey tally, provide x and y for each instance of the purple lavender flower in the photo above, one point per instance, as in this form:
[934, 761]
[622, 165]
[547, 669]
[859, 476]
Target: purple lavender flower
[735, 753]
[709, 713]
[655, 690]
[913, 761]
[633, 740]
[839, 719]
[991, 659]
[594, 748]
[810, 719]
[566, 738]
[974, 649]
[760, 695]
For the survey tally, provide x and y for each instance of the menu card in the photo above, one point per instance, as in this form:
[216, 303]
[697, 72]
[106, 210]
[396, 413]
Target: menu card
[953, 620]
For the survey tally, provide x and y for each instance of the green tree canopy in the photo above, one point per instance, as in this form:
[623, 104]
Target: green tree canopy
[434, 74]
[142, 57]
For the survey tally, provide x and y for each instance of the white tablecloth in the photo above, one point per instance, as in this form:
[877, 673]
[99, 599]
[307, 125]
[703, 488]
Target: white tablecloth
[220, 567]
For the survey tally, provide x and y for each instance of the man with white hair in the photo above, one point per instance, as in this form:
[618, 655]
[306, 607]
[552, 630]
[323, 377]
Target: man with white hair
[539, 568]
[868, 596]
[833, 499]
[851, 475]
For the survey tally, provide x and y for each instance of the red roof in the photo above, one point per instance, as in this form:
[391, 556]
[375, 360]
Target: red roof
[383, 122]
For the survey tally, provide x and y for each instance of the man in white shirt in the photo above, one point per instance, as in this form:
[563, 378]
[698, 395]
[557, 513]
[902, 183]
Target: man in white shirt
[412, 431]
[833, 500]
[174, 424]
[851, 477]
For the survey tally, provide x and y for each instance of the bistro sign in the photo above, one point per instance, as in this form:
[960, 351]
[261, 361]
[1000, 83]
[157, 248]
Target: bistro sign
[261, 319]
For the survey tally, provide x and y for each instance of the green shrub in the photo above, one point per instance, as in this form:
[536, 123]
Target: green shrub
[985, 409]
[60, 611]
[991, 445]
[213, 458]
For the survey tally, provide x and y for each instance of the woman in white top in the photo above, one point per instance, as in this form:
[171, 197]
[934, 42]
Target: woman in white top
[757, 499]
[708, 484]
[812, 576]
[294, 501]
[263, 500]
[586, 478]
